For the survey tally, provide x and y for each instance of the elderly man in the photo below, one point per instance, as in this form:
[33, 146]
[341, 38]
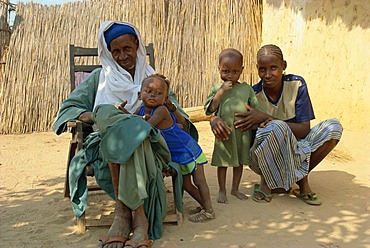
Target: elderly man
[128, 155]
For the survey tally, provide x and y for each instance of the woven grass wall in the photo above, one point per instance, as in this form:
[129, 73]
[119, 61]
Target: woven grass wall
[187, 35]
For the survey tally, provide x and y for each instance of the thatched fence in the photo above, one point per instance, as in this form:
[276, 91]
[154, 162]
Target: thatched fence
[187, 35]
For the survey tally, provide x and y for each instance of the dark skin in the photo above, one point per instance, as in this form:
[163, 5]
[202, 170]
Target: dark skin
[270, 70]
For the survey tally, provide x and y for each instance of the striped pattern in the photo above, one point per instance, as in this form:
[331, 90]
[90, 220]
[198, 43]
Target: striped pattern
[280, 158]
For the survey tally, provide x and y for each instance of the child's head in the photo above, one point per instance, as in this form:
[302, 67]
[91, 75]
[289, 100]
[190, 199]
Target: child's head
[154, 91]
[230, 65]
[270, 65]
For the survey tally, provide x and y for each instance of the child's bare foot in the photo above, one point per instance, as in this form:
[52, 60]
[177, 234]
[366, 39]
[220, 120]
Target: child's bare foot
[239, 195]
[222, 197]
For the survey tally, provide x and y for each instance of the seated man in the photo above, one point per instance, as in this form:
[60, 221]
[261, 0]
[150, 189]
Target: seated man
[128, 154]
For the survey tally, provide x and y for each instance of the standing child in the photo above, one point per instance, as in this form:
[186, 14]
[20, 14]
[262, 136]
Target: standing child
[224, 100]
[183, 148]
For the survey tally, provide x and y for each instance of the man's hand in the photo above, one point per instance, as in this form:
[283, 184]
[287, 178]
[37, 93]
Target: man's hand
[86, 117]
[220, 128]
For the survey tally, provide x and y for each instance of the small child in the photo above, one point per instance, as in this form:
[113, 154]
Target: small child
[183, 148]
[224, 100]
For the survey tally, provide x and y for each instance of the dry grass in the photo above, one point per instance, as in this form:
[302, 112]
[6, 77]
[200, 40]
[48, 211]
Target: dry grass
[187, 35]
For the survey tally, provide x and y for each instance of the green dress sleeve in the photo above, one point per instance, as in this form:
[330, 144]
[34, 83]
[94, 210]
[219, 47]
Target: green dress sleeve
[211, 95]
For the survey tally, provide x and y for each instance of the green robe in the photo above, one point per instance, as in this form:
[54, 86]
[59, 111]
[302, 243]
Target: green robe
[234, 151]
[141, 151]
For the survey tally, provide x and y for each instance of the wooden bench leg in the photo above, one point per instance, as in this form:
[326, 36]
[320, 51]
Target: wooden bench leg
[81, 223]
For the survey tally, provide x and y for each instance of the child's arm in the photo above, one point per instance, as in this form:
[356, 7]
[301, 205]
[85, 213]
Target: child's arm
[213, 106]
[180, 119]
[161, 118]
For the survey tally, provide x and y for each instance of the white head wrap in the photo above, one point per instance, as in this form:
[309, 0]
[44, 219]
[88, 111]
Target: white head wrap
[115, 83]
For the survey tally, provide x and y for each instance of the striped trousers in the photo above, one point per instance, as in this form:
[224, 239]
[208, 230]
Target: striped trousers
[280, 158]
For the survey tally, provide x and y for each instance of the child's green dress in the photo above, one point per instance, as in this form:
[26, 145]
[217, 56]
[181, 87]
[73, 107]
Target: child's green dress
[234, 151]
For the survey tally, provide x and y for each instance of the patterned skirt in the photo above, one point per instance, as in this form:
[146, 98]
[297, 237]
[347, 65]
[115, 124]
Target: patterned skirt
[280, 158]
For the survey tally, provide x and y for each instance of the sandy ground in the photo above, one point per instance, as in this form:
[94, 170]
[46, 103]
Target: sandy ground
[34, 212]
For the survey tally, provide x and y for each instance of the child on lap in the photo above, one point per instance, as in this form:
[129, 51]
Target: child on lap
[224, 100]
[183, 148]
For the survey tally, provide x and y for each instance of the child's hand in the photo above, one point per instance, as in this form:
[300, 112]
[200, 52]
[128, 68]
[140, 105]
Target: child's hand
[122, 107]
[227, 85]
[169, 172]
[220, 128]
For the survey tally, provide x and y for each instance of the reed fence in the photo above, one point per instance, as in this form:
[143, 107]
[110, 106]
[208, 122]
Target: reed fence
[187, 35]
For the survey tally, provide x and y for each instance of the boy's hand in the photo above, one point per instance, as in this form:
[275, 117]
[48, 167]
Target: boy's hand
[220, 128]
[227, 85]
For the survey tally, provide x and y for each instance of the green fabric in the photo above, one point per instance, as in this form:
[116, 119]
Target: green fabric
[80, 100]
[234, 151]
[128, 151]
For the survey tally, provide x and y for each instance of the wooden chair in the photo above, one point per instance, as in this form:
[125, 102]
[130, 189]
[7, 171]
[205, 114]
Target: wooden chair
[81, 130]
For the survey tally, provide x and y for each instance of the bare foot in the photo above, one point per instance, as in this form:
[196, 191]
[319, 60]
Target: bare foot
[239, 195]
[222, 197]
[264, 188]
[120, 227]
[304, 186]
[140, 229]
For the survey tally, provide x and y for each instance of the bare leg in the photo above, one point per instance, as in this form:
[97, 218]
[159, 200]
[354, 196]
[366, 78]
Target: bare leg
[201, 183]
[316, 157]
[140, 225]
[237, 175]
[121, 225]
[221, 176]
[191, 189]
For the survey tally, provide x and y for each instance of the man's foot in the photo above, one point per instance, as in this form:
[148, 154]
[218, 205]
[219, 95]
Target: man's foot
[202, 216]
[120, 229]
[222, 197]
[136, 244]
[261, 193]
[239, 195]
[116, 241]
[140, 224]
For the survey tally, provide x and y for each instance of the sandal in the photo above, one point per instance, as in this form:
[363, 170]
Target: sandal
[309, 198]
[136, 244]
[256, 189]
[195, 210]
[201, 216]
[107, 240]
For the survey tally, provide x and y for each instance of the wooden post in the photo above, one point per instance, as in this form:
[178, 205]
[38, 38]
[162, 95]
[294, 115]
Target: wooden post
[196, 114]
